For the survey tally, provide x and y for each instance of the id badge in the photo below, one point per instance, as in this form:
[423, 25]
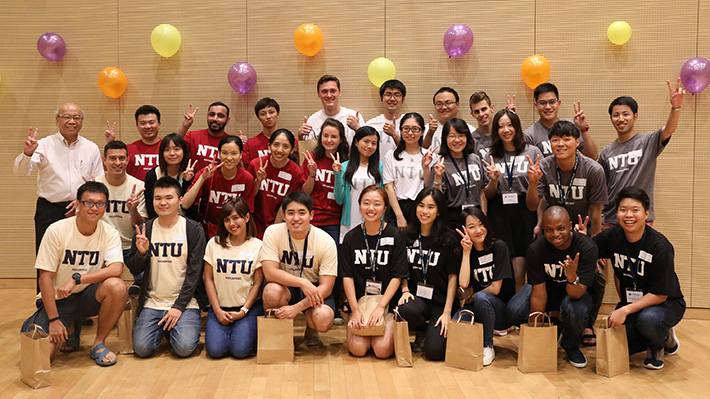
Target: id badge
[510, 199]
[633, 295]
[373, 287]
[425, 291]
[467, 206]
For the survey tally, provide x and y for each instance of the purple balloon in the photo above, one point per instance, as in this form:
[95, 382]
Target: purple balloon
[695, 74]
[458, 39]
[242, 77]
[51, 46]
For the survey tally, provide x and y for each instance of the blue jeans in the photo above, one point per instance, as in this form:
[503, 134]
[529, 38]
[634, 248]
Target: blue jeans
[184, 337]
[650, 327]
[574, 315]
[237, 338]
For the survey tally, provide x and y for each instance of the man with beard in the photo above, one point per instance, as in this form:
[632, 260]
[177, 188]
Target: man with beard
[203, 143]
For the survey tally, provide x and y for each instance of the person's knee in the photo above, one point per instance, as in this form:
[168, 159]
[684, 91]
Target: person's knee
[273, 294]
[322, 319]
[383, 350]
[143, 348]
[216, 351]
[649, 320]
[114, 288]
[242, 349]
[357, 349]
[434, 351]
[183, 348]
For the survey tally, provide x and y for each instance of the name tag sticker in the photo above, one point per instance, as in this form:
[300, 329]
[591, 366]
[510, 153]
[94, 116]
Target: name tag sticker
[238, 187]
[246, 255]
[179, 238]
[579, 181]
[373, 287]
[482, 260]
[467, 206]
[285, 175]
[643, 255]
[387, 241]
[635, 153]
[112, 253]
[510, 199]
[633, 295]
[425, 291]
[331, 195]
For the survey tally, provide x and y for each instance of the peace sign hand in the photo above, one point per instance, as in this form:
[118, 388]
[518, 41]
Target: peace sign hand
[534, 171]
[337, 166]
[30, 145]
[311, 163]
[110, 132]
[510, 103]
[570, 266]
[580, 119]
[142, 243]
[189, 173]
[581, 227]
[210, 169]
[189, 117]
[261, 172]
[492, 170]
[428, 157]
[133, 201]
[439, 168]
[466, 242]
[677, 94]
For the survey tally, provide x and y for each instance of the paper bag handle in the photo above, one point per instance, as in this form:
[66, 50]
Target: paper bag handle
[535, 316]
[397, 316]
[35, 328]
[270, 313]
[604, 324]
[473, 316]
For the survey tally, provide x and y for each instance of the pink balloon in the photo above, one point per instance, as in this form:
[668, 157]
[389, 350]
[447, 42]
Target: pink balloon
[242, 77]
[695, 74]
[51, 46]
[458, 39]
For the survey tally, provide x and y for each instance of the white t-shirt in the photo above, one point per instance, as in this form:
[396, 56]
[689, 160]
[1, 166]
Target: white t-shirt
[117, 213]
[168, 266]
[233, 269]
[321, 254]
[361, 179]
[387, 143]
[316, 121]
[65, 251]
[436, 139]
[407, 174]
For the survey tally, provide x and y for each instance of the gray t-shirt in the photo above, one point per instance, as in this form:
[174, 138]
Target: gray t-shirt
[454, 187]
[538, 135]
[481, 142]
[631, 164]
[588, 187]
[519, 164]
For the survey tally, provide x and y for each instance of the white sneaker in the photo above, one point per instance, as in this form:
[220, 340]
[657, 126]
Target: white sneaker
[500, 333]
[488, 355]
[672, 343]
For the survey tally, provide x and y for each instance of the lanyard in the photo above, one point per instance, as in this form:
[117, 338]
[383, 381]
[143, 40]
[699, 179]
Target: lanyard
[509, 171]
[294, 253]
[468, 175]
[370, 260]
[424, 260]
[564, 195]
[633, 265]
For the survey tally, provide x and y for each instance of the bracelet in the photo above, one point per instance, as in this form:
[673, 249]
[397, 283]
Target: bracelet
[54, 319]
[676, 108]
[244, 309]
[585, 129]
[312, 176]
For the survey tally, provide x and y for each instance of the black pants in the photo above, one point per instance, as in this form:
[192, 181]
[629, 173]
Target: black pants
[422, 314]
[407, 206]
[46, 213]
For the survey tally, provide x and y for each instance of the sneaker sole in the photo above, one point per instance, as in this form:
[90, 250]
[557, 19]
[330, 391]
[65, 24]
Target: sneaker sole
[651, 366]
[673, 351]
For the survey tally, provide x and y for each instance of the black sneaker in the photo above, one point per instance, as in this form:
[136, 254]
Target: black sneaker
[671, 346]
[654, 359]
[576, 357]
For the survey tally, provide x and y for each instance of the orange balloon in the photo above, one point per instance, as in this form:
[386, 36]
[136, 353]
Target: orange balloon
[535, 71]
[112, 82]
[308, 39]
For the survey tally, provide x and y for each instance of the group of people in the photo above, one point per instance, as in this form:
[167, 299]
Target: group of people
[434, 217]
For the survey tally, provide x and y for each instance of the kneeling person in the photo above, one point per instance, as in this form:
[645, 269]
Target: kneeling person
[169, 250]
[300, 262]
[73, 282]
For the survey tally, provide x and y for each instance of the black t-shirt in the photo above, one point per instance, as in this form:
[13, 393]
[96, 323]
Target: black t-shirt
[655, 257]
[491, 265]
[443, 261]
[390, 258]
[543, 264]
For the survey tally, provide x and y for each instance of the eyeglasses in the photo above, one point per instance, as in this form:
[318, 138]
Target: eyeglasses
[413, 129]
[67, 118]
[91, 204]
[544, 103]
[390, 95]
[447, 104]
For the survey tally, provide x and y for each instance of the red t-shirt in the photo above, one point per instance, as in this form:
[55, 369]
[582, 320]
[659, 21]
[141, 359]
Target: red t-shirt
[203, 147]
[273, 189]
[258, 146]
[326, 211]
[216, 190]
[142, 158]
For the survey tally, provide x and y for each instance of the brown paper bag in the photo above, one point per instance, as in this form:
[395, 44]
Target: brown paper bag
[538, 345]
[125, 327]
[367, 304]
[464, 344]
[275, 339]
[402, 348]
[35, 350]
[612, 349]
[305, 146]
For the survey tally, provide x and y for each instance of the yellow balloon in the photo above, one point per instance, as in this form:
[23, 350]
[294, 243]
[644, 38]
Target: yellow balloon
[112, 82]
[165, 40]
[619, 32]
[380, 70]
[308, 39]
[535, 71]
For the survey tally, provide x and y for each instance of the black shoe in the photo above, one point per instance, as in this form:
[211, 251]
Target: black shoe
[576, 357]
[654, 359]
[134, 290]
[672, 344]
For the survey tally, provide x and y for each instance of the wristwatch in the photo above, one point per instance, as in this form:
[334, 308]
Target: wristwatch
[575, 282]
[77, 278]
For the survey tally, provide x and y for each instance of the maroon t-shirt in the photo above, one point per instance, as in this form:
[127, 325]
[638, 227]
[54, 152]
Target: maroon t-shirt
[258, 146]
[216, 190]
[203, 147]
[142, 158]
[326, 211]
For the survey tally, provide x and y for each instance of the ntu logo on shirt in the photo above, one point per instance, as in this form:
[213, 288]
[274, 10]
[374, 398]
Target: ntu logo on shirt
[161, 249]
[577, 191]
[556, 271]
[294, 259]
[274, 186]
[621, 263]
[219, 197]
[324, 175]
[625, 160]
[206, 151]
[223, 265]
[79, 258]
[381, 258]
[116, 206]
[146, 159]
[414, 259]
[460, 179]
[483, 274]
[408, 172]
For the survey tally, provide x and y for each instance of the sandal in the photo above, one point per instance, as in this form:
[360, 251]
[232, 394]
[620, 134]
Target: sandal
[587, 339]
[99, 352]
[73, 341]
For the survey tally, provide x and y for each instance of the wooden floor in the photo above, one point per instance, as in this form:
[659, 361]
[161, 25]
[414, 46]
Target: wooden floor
[328, 371]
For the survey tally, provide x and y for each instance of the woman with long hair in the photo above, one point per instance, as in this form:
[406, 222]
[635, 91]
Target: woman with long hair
[173, 161]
